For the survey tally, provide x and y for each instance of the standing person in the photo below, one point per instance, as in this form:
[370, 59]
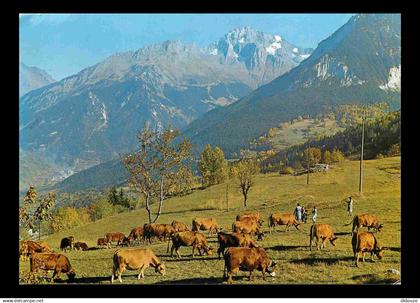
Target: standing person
[314, 214]
[304, 214]
[350, 206]
[298, 212]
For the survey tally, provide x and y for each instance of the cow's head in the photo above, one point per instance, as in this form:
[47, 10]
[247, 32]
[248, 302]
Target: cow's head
[71, 274]
[333, 239]
[260, 222]
[127, 240]
[271, 269]
[379, 227]
[379, 252]
[208, 250]
[160, 268]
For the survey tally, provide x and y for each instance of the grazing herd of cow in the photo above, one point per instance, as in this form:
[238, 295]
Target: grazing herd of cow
[239, 249]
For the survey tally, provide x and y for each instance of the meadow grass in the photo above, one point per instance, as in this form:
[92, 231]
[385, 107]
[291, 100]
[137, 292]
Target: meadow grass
[271, 193]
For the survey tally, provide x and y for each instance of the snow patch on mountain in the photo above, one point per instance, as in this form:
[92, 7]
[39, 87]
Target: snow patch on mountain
[394, 79]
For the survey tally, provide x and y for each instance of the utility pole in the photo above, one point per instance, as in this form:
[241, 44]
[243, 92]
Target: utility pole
[361, 156]
[307, 160]
[227, 197]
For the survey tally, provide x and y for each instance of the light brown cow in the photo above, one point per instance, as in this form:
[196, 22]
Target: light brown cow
[179, 226]
[190, 238]
[256, 216]
[282, 219]
[248, 226]
[59, 263]
[322, 232]
[135, 259]
[118, 237]
[233, 240]
[369, 221]
[247, 259]
[363, 242]
[209, 224]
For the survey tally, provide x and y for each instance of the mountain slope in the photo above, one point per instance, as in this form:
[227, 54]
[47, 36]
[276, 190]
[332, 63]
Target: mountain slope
[93, 116]
[31, 77]
[359, 63]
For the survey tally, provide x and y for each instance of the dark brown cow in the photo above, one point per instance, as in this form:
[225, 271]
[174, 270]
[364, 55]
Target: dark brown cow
[209, 224]
[247, 259]
[81, 246]
[190, 238]
[118, 237]
[179, 226]
[282, 219]
[59, 263]
[226, 240]
[369, 221]
[323, 232]
[248, 226]
[363, 242]
[255, 216]
[103, 242]
[136, 234]
[66, 243]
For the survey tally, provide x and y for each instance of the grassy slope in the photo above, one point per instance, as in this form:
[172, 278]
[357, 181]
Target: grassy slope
[294, 133]
[271, 193]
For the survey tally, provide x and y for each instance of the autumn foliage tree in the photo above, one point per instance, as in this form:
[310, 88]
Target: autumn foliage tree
[36, 209]
[213, 166]
[157, 165]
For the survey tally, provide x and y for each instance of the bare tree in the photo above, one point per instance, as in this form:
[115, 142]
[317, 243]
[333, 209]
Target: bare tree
[245, 170]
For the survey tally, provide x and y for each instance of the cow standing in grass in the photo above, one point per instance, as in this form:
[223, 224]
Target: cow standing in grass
[363, 242]
[248, 226]
[366, 220]
[190, 238]
[135, 259]
[67, 243]
[59, 263]
[247, 259]
[282, 219]
[226, 240]
[209, 224]
[321, 232]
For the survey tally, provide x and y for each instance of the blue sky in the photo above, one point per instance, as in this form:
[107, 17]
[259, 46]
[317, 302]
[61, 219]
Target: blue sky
[64, 44]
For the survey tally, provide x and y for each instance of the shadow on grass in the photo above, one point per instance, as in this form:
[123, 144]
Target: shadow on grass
[343, 233]
[289, 247]
[374, 279]
[212, 280]
[315, 261]
[190, 258]
[83, 280]
[394, 249]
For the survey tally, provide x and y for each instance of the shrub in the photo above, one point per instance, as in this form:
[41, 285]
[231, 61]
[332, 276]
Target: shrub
[287, 171]
[394, 150]
[69, 217]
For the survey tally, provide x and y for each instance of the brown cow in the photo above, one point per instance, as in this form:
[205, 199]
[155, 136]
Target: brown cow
[190, 238]
[256, 216]
[209, 224]
[118, 237]
[161, 231]
[136, 234]
[103, 242]
[52, 261]
[179, 226]
[67, 242]
[233, 240]
[135, 259]
[248, 226]
[27, 248]
[247, 259]
[282, 219]
[363, 242]
[81, 246]
[369, 221]
[323, 232]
